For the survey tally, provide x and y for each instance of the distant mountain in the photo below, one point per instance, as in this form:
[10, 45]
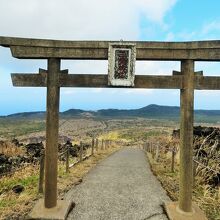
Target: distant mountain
[150, 111]
[39, 114]
[73, 112]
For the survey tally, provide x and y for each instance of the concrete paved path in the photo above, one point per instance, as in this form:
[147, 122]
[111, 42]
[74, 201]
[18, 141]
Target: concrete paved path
[121, 187]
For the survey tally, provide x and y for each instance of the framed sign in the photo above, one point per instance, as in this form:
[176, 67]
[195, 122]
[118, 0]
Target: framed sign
[121, 64]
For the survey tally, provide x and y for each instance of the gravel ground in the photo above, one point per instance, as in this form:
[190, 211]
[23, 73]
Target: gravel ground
[121, 187]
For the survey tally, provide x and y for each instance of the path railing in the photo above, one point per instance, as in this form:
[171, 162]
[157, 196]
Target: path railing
[95, 146]
[155, 149]
[83, 154]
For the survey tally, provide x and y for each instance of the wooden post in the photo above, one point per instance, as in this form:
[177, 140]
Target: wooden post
[219, 192]
[93, 143]
[157, 153]
[97, 144]
[186, 136]
[172, 160]
[67, 158]
[194, 172]
[52, 123]
[81, 152]
[102, 147]
[153, 151]
[41, 174]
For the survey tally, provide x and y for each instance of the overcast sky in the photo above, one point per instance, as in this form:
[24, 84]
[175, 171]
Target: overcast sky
[153, 20]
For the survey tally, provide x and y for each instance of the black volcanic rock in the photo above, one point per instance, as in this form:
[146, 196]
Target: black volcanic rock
[18, 189]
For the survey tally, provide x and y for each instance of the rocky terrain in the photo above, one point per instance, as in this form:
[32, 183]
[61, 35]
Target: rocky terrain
[29, 153]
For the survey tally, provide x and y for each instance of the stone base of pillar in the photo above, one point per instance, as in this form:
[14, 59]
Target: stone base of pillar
[60, 212]
[174, 213]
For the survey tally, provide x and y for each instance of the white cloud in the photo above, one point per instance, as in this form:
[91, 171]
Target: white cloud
[67, 91]
[208, 68]
[183, 35]
[138, 91]
[155, 10]
[86, 66]
[170, 36]
[80, 20]
[207, 93]
[95, 19]
[207, 31]
[67, 19]
[98, 90]
[210, 27]
[156, 67]
[71, 91]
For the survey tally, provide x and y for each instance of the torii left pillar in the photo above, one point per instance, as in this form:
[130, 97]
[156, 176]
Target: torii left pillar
[50, 207]
[52, 125]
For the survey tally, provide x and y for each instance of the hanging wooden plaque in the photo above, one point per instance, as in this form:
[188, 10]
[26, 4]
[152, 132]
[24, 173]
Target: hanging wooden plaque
[121, 64]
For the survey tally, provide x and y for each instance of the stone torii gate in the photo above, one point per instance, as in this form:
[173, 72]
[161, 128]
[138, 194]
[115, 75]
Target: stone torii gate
[53, 78]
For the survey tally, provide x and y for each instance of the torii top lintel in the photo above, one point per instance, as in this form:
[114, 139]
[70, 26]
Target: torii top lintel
[27, 48]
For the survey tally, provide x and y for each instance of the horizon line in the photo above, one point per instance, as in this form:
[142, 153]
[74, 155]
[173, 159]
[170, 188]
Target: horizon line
[41, 111]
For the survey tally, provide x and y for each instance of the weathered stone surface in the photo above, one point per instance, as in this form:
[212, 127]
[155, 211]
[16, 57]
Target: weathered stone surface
[35, 52]
[174, 213]
[39, 48]
[101, 81]
[16, 41]
[59, 212]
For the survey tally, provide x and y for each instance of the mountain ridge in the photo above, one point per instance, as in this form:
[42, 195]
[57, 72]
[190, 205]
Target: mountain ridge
[151, 111]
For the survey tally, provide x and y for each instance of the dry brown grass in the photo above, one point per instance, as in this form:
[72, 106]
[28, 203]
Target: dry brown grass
[9, 149]
[205, 196]
[16, 206]
[11, 203]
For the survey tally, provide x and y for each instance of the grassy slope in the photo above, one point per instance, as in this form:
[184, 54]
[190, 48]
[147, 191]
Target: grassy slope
[15, 127]
[134, 132]
[16, 206]
[205, 197]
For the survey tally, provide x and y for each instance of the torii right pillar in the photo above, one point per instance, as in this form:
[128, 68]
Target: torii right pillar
[184, 209]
